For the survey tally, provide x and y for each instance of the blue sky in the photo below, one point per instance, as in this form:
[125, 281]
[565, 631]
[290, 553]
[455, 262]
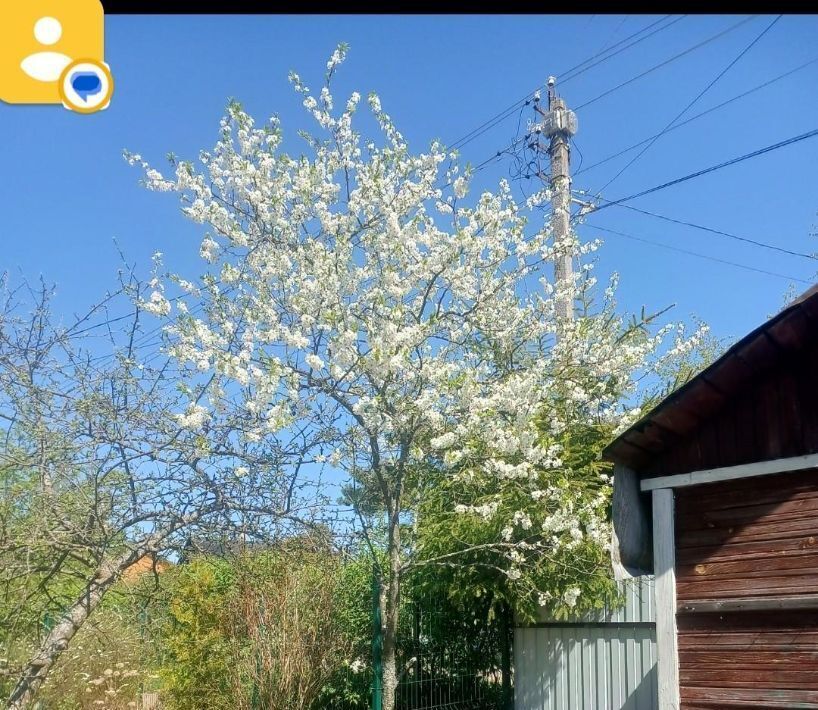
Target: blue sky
[68, 193]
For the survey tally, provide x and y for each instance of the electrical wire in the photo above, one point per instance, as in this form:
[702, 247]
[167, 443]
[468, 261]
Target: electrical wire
[689, 252]
[132, 314]
[576, 147]
[569, 74]
[722, 233]
[670, 60]
[687, 51]
[613, 34]
[498, 154]
[579, 69]
[700, 115]
[712, 168]
[690, 105]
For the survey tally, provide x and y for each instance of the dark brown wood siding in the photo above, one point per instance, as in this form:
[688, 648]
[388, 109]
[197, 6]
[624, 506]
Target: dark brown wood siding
[748, 538]
[748, 660]
[775, 417]
[748, 541]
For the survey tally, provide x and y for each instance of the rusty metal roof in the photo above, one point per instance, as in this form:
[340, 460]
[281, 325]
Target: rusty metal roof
[688, 407]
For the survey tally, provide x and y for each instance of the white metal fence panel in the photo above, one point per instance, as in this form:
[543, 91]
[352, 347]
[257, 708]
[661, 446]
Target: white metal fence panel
[604, 661]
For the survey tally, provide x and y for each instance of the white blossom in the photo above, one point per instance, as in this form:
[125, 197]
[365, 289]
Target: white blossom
[315, 362]
[571, 595]
[158, 305]
[444, 441]
[522, 519]
[194, 417]
[209, 250]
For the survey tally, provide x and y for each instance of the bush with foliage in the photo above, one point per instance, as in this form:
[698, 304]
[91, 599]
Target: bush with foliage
[283, 627]
[195, 651]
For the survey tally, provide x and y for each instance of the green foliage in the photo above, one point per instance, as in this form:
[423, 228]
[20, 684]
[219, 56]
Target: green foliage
[349, 685]
[676, 371]
[476, 573]
[285, 627]
[556, 556]
[196, 650]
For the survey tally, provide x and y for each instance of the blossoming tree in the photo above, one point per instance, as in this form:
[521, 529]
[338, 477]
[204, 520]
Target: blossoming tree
[355, 290]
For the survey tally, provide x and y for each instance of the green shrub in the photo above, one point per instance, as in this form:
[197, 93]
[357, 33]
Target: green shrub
[282, 628]
[195, 648]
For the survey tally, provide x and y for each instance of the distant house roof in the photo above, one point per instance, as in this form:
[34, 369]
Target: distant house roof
[687, 408]
[145, 565]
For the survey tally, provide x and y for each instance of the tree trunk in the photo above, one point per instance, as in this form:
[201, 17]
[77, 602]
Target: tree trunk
[57, 640]
[390, 609]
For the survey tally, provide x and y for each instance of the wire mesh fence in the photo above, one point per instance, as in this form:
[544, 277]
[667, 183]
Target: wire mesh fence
[448, 658]
[448, 665]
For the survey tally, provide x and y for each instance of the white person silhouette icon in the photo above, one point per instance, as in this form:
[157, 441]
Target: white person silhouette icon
[46, 65]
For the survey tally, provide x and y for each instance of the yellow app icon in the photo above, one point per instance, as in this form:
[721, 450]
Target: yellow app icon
[52, 52]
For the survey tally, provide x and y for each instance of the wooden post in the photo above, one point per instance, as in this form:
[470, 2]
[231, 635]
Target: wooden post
[631, 555]
[664, 560]
[560, 124]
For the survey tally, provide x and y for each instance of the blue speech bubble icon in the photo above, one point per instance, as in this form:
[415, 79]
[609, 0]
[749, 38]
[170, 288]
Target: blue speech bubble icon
[86, 84]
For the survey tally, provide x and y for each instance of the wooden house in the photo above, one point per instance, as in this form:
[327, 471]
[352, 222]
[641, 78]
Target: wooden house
[716, 492]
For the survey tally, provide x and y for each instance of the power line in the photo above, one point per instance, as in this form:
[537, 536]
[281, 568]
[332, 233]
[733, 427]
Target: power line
[498, 154]
[628, 81]
[579, 69]
[654, 68]
[569, 74]
[613, 34]
[690, 104]
[108, 321]
[712, 168]
[491, 122]
[701, 115]
[699, 254]
[132, 314]
[581, 157]
[730, 235]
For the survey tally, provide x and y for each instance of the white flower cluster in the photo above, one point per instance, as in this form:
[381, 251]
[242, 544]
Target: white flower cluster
[194, 417]
[158, 305]
[485, 510]
[571, 595]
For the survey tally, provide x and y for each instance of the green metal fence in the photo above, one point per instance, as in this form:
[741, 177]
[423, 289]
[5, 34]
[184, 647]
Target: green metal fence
[447, 658]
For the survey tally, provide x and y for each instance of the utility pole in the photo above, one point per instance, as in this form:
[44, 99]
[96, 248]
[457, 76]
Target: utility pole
[559, 124]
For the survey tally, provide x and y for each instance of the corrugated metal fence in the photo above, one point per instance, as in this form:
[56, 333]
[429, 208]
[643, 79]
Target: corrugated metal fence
[605, 661]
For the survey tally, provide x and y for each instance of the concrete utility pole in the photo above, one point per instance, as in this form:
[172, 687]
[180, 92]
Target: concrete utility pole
[559, 124]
